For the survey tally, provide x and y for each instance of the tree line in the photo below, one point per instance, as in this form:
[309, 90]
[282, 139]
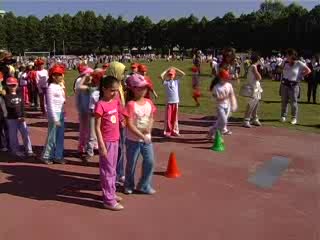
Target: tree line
[273, 27]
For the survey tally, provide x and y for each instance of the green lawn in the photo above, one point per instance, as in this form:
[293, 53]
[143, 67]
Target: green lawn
[309, 115]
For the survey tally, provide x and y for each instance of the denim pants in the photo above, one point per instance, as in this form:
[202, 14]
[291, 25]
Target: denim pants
[121, 152]
[107, 168]
[53, 149]
[134, 149]
[43, 100]
[14, 125]
[289, 93]
[3, 133]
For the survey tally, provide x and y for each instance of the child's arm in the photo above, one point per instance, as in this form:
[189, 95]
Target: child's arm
[102, 146]
[3, 107]
[164, 73]
[179, 71]
[82, 85]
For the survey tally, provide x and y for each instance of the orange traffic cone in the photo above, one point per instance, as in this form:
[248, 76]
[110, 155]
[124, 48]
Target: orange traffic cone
[172, 169]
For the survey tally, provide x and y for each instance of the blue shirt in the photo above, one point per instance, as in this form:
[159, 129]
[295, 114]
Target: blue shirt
[172, 90]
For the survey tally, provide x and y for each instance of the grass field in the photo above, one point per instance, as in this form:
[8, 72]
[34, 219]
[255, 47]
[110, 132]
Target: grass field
[309, 115]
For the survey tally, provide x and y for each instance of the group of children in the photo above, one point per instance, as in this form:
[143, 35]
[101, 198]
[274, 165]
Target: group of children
[116, 115]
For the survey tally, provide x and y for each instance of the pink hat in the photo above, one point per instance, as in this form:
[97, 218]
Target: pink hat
[87, 71]
[136, 80]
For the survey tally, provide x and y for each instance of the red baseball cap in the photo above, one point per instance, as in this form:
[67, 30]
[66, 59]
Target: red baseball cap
[224, 74]
[171, 71]
[39, 62]
[12, 81]
[142, 68]
[57, 69]
[134, 65]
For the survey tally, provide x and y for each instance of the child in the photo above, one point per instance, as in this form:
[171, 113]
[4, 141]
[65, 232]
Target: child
[23, 80]
[143, 70]
[226, 102]
[92, 87]
[15, 119]
[196, 85]
[3, 115]
[171, 84]
[139, 113]
[107, 114]
[254, 78]
[53, 151]
[42, 83]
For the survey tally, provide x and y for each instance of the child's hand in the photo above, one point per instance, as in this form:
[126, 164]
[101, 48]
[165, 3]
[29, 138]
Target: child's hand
[103, 152]
[123, 124]
[147, 138]
[57, 123]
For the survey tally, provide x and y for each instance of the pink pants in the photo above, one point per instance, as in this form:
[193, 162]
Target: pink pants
[25, 93]
[107, 166]
[171, 119]
[84, 132]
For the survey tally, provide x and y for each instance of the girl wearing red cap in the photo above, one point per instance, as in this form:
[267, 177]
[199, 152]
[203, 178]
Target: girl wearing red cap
[15, 119]
[143, 70]
[171, 84]
[42, 77]
[226, 102]
[53, 150]
[196, 85]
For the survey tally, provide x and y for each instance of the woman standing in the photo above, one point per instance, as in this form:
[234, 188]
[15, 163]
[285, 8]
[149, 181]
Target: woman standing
[292, 71]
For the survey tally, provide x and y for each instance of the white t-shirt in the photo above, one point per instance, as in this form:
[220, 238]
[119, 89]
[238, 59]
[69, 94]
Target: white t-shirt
[77, 84]
[23, 79]
[254, 83]
[94, 98]
[222, 90]
[292, 73]
[55, 98]
[42, 78]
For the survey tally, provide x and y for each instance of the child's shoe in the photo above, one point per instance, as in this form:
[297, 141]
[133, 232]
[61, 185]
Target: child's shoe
[118, 198]
[20, 154]
[117, 207]
[59, 161]
[46, 161]
[4, 149]
[227, 132]
[283, 119]
[175, 134]
[257, 123]
[294, 121]
[127, 191]
[246, 124]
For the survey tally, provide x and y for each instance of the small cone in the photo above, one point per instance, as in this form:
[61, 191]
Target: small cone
[218, 145]
[172, 169]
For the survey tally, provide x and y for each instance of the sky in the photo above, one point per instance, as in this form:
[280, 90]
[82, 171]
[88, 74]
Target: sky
[155, 9]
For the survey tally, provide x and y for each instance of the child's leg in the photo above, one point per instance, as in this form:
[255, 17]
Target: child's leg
[133, 151]
[13, 135]
[108, 173]
[3, 138]
[120, 162]
[255, 110]
[250, 108]
[174, 119]
[83, 131]
[284, 101]
[50, 146]
[60, 139]
[23, 129]
[147, 168]
[92, 144]
[167, 122]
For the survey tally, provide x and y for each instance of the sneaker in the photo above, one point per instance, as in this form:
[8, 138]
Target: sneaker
[283, 119]
[176, 134]
[59, 161]
[20, 154]
[246, 124]
[46, 161]
[127, 191]
[294, 121]
[149, 192]
[118, 198]
[117, 207]
[31, 154]
[257, 123]
[4, 149]
[210, 136]
[122, 179]
[228, 132]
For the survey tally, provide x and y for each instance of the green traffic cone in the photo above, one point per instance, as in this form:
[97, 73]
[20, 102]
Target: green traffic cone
[218, 145]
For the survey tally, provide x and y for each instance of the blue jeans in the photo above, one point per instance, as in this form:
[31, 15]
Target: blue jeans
[120, 162]
[134, 149]
[14, 125]
[55, 140]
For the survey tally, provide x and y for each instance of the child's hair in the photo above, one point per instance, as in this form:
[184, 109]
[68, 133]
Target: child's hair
[254, 58]
[107, 82]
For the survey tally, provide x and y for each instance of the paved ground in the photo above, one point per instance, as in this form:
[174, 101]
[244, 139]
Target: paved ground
[212, 200]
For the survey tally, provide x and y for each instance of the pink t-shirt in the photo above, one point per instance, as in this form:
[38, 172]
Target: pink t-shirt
[110, 113]
[141, 115]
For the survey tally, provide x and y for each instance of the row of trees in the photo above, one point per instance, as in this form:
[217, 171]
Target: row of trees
[274, 26]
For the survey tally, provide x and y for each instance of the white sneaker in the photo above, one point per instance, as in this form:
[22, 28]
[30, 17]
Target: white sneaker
[20, 154]
[4, 149]
[256, 123]
[246, 124]
[283, 119]
[294, 121]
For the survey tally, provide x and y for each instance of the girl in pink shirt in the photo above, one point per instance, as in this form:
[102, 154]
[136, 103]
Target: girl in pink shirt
[107, 126]
[139, 113]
